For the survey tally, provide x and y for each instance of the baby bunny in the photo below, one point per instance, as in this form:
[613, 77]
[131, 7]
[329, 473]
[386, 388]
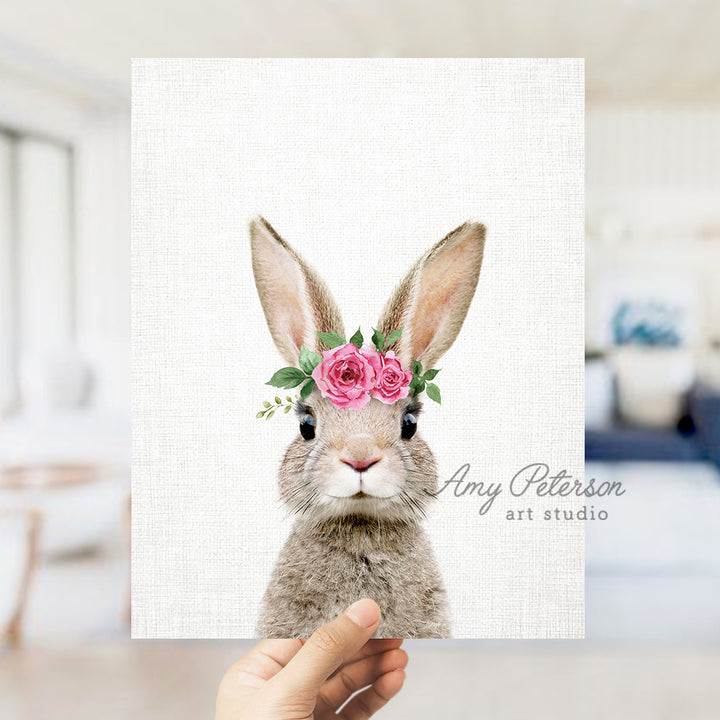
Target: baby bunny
[361, 480]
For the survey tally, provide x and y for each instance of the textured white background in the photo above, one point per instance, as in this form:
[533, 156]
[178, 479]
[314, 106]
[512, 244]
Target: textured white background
[361, 165]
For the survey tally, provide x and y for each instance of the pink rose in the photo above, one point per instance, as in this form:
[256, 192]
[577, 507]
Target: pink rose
[392, 382]
[345, 375]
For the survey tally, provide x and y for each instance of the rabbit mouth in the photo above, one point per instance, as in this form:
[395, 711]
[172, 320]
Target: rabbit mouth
[360, 495]
[393, 508]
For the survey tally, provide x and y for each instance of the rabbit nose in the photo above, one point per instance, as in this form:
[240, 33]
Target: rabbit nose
[360, 452]
[360, 465]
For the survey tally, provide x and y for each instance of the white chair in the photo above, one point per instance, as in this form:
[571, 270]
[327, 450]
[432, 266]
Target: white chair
[19, 544]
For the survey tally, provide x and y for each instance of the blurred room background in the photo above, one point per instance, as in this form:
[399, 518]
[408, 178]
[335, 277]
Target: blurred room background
[652, 348]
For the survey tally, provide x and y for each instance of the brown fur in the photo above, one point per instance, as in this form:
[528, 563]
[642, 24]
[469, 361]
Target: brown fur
[310, 304]
[432, 300]
[347, 546]
[322, 569]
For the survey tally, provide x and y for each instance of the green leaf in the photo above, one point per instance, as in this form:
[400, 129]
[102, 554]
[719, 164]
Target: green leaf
[393, 337]
[430, 374]
[308, 360]
[270, 414]
[277, 400]
[332, 340]
[266, 404]
[287, 377]
[288, 398]
[417, 385]
[288, 408]
[417, 367]
[260, 414]
[306, 389]
[378, 340]
[357, 339]
[433, 392]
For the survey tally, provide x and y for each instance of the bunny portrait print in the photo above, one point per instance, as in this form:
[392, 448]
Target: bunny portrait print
[336, 376]
[361, 480]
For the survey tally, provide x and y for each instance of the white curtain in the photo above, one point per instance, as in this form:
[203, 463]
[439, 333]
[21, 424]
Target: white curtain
[45, 254]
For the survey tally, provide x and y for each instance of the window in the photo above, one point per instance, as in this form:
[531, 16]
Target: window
[37, 263]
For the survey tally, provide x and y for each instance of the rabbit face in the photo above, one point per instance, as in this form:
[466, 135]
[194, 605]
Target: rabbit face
[366, 462]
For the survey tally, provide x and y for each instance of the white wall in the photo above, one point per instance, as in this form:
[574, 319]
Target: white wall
[656, 166]
[103, 253]
[653, 202]
[7, 319]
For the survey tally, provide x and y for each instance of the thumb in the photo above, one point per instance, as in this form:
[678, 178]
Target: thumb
[326, 650]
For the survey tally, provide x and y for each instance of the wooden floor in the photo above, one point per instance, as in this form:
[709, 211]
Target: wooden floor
[159, 680]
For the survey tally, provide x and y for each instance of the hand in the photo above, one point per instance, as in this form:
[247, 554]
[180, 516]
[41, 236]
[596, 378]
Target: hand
[311, 679]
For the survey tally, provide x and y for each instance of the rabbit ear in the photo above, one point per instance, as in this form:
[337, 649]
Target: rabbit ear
[297, 304]
[432, 300]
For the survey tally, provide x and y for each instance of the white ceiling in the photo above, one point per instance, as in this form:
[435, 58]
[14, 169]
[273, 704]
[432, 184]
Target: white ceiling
[636, 50]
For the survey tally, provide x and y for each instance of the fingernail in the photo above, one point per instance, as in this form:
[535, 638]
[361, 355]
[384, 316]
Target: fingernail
[364, 613]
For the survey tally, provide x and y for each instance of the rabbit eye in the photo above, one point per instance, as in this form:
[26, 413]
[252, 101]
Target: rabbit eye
[307, 427]
[409, 426]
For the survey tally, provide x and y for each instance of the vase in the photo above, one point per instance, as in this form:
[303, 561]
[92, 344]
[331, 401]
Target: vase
[652, 383]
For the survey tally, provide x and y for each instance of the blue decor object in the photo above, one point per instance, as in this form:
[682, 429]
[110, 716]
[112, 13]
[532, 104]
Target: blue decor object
[652, 324]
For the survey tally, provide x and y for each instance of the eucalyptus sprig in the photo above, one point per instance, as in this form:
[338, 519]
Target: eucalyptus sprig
[269, 408]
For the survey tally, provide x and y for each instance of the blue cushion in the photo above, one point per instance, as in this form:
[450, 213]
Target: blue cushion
[640, 444]
[704, 404]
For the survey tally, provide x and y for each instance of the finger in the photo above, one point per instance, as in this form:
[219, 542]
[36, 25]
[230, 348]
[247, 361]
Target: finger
[326, 650]
[280, 651]
[263, 662]
[374, 646]
[252, 671]
[369, 701]
[358, 675]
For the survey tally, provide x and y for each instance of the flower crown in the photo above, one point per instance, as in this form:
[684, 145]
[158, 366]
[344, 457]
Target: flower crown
[350, 373]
